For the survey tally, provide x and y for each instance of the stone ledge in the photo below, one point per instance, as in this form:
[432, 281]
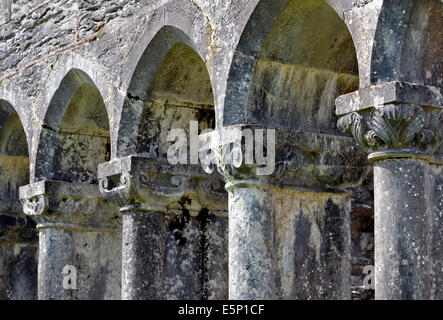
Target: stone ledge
[306, 140]
[395, 91]
[136, 163]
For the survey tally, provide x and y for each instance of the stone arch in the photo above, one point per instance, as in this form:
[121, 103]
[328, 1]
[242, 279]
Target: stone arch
[169, 87]
[18, 238]
[74, 136]
[60, 69]
[16, 102]
[189, 26]
[293, 58]
[63, 65]
[173, 50]
[408, 42]
[13, 152]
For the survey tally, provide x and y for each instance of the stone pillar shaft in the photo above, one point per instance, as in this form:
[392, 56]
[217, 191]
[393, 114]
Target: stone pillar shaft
[162, 206]
[402, 235]
[79, 241]
[142, 255]
[90, 258]
[55, 253]
[252, 271]
[287, 244]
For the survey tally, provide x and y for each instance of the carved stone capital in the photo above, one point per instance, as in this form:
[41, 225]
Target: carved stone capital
[394, 125]
[288, 161]
[36, 205]
[211, 193]
[57, 203]
[300, 160]
[151, 184]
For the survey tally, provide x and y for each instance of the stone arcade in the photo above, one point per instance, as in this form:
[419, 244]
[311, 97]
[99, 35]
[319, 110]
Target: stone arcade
[90, 89]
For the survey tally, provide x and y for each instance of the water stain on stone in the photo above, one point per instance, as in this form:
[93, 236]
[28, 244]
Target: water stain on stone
[178, 223]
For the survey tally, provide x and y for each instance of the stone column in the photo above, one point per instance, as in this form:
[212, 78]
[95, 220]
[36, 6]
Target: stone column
[149, 191]
[142, 255]
[18, 253]
[252, 269]
[79, 240]
[399, 125]
[436, 218]
[289, 231]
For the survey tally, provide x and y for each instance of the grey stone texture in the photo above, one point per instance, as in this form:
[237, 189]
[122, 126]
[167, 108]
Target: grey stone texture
[174, 228]
[90, 89]
[143, 248]
[285, 245]
[402, 234]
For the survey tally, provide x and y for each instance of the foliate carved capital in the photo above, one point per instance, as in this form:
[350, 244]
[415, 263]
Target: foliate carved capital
[394, 119]
[61, 203]
[248, 154]
[395, 126]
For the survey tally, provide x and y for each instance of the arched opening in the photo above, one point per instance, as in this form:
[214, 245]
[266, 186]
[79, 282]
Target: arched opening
[293, 59]
[13, 153]
[180, 92]
[169, 89]
[83, 138]
[75, 136]
[82, 229]
[170, 80]
[18, 237]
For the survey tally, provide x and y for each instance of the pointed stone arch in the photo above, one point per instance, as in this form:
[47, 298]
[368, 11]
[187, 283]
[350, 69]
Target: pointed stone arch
[170, 49]
[283, 45]
[170, 86]
[18, 237]
[75, 111]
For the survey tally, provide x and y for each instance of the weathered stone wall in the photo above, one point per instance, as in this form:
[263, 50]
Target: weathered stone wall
[84, 83]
